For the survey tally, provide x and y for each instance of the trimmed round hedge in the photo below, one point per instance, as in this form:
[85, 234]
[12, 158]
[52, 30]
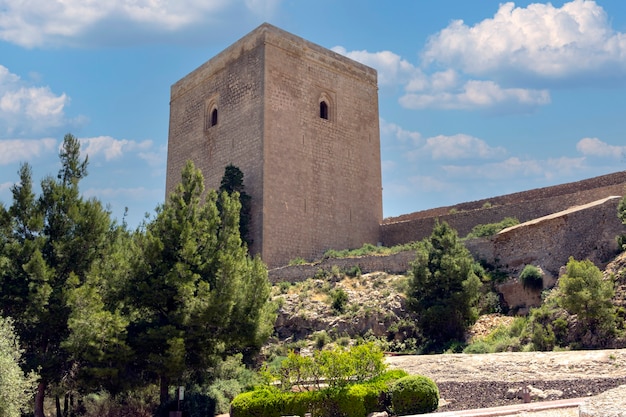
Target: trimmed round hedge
[414, 394]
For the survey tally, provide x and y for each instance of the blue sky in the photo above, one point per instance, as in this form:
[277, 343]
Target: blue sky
[477, 98]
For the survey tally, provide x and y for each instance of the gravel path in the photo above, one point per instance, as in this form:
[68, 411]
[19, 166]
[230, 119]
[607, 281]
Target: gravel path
[480, 381]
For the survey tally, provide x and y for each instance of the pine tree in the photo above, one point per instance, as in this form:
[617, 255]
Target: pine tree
[50, 244]
[198, 293]
[232, 183]
[443, 288]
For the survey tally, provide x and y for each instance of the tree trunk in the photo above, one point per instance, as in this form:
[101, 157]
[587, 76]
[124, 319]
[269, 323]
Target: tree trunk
[165, 385]
[57, 401]
[39, 397]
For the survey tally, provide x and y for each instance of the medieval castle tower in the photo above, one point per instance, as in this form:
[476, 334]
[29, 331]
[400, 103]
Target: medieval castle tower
[301, 123]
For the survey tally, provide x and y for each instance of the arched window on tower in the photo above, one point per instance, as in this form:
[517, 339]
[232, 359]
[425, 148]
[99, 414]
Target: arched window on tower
[323, 110]
[213, 117]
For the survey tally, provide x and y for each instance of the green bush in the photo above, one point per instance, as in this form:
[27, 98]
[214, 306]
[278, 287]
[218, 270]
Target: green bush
[339, 299]
[414, 394]
[531, 278]
[355, 400]
[490, 229]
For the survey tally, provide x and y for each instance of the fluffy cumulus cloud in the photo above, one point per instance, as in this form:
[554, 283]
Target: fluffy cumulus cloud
[25, 108]
[33, 23]
[460, 146]
[499, 62]
[390, 131]
[18, 150]
[540, 40]
[392, 68]
[110, 148]
[515, 167]
[476, 94]
[596, 147]
[447, 89]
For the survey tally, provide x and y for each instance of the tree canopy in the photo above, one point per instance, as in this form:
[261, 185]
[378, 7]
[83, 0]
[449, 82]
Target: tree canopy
[96, 306]
[443, 288]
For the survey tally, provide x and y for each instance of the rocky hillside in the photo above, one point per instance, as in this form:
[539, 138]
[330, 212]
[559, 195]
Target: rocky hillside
[335, 308]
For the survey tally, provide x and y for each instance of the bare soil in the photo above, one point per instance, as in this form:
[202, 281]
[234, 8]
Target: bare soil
[468, 381]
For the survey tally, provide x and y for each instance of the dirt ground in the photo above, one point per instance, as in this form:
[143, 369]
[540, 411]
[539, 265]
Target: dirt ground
[476, 381]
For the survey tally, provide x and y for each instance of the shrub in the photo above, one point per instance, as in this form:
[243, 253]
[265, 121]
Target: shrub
[355, 271]
[414, 394]
[355, 400]
[490, 229]
[339, 300]
[531, 278]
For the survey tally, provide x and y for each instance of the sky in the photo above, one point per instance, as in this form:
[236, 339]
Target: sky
[476, 98]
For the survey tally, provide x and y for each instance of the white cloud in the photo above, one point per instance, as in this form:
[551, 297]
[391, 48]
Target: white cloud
[392, 69]
[388, 129]
[478, 95]
[22, 150]
[460, 146]
[540, 40]
[445, 89]
[26, 109]
[595, 147]
[33, 23]
[515, 167]
[112, 148]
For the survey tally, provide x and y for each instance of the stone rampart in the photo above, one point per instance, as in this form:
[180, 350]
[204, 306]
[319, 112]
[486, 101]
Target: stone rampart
[524, 206]
[393, 264]
[583, 232]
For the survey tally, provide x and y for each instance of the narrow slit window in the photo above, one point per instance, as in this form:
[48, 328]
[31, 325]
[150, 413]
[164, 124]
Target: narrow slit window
[214, 117]
[324, 110]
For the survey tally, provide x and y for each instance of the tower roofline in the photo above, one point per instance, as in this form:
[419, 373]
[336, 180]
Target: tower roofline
[272, 35]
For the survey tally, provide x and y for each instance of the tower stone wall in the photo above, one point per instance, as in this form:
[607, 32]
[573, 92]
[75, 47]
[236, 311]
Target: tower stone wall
[301, 122]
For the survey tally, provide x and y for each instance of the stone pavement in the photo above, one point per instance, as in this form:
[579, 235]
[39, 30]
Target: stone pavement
[536, 408]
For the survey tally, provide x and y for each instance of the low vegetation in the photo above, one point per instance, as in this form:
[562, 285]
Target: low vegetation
[341, 382]
[577, 314]
[490, 229]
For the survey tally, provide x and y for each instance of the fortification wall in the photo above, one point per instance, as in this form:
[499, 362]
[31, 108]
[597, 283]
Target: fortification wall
[393, 264]
[317, 170]
[583, 232]
[523, 206]
[232, 84]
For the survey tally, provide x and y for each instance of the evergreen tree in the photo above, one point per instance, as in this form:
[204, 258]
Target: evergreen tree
[50, 244]
[583, 292]
[443, 288]
[232, 183]
[16, 389]
[197, 293]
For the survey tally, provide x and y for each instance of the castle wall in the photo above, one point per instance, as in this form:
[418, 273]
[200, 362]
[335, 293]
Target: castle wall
[524, 206]
[306, 175]
[318, 170]
[232, 83]
[584, 232]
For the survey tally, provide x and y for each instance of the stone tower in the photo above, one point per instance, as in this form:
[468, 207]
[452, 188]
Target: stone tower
[301, 122]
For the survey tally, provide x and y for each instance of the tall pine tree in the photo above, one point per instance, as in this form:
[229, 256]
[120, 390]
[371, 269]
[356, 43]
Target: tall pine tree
[197, 293]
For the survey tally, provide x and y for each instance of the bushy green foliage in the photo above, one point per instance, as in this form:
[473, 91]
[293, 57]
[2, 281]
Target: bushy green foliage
[583, 291]
[443, 289]
[339, 300]
[501, 339]
[531, 278]
[335, 367]
[414, 394]
[16, 388]
[490, 229]
[368, 249]
[356, 399]
[232, 183]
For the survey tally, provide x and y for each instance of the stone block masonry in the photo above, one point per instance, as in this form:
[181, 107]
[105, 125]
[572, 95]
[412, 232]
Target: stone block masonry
[523, 206]
[301, 122]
